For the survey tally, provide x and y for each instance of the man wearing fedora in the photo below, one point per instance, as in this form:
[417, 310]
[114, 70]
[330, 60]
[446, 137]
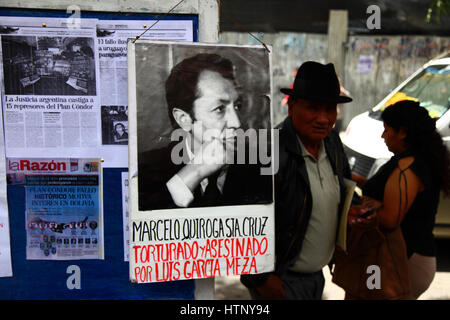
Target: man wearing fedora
[309, 189]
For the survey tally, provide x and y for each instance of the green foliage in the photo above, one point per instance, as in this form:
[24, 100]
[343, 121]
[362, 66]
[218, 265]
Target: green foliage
[438, 7]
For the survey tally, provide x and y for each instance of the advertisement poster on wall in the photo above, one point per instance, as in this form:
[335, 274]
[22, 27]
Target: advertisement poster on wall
[201, 203]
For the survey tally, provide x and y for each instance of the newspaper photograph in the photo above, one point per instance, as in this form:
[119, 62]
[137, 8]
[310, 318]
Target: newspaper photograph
[63, 206]
[43, 66]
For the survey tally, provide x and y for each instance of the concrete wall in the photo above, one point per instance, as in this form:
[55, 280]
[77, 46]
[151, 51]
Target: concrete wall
[394, 58]
[289, 51]
[374, 65]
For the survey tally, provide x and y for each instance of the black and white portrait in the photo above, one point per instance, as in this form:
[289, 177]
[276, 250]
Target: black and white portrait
[203, 125]
[114, 125]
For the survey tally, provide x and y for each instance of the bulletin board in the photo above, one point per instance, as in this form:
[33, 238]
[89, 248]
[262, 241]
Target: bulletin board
[72, 166]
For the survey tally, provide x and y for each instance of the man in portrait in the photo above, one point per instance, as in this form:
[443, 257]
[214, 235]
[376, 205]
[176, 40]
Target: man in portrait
[204, 107]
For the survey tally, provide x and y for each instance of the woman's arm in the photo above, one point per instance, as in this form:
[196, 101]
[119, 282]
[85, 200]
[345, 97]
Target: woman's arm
[400, 190]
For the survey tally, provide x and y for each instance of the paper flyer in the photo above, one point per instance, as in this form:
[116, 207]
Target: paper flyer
[63, 206]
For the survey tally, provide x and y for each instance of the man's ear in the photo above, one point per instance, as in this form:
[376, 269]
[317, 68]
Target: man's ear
[290, 103]
[183, 119]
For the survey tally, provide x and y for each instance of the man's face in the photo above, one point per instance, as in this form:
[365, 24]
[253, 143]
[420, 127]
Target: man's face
[216, 110]
[313, 120]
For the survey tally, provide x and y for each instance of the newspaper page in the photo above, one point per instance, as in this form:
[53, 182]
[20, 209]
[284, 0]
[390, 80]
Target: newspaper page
[342, 231]
[5, 244]
[63, 206]
[51, 83]
[112, 38]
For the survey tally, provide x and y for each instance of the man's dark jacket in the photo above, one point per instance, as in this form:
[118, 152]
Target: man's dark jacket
[293, 199]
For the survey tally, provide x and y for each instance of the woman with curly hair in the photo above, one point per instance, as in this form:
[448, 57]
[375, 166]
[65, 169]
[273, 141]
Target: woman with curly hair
[406, 189]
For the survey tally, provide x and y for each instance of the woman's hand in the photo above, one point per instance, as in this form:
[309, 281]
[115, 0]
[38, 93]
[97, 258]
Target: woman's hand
[369, 202]
[355, 215]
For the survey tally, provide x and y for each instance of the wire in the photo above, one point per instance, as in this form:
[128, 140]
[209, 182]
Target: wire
[245, 30]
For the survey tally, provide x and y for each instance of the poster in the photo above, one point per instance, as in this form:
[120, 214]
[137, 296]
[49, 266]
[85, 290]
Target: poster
[63, 206]
[201, 186]
[365, 63]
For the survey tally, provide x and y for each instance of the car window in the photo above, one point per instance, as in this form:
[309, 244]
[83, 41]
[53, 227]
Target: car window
[431, 88]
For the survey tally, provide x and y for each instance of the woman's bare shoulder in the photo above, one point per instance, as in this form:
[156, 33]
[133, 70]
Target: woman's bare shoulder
[405, 163]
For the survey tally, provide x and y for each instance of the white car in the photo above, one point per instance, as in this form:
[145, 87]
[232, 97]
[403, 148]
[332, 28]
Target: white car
[362, 140]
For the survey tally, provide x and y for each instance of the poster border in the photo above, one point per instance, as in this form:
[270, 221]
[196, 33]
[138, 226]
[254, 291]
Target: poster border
[256, 210]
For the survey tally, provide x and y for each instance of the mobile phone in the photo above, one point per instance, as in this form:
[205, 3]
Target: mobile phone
[367, 213]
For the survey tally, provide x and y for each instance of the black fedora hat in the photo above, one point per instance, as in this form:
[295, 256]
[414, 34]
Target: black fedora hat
[318, 82]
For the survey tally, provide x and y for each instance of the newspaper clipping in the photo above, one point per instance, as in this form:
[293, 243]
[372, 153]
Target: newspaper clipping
[51, 96]
[63, 206]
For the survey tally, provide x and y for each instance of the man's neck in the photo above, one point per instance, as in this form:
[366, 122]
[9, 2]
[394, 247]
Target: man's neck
[311, 146]
[189, 146]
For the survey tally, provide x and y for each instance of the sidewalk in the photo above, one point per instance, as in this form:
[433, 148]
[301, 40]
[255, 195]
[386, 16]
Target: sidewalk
[230, 288]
